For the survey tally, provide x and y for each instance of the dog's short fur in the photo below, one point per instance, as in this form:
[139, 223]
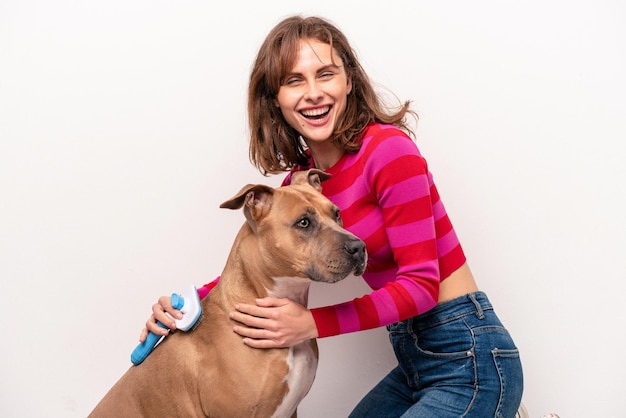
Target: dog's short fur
[292, 235]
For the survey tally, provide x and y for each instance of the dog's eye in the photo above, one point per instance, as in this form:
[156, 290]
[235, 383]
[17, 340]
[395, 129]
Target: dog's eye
[304, 223]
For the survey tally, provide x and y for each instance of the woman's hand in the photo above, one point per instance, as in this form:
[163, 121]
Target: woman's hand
[159, 310]
[274, 322]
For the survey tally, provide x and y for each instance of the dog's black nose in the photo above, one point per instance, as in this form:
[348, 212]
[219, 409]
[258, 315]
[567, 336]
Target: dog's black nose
[355, 248]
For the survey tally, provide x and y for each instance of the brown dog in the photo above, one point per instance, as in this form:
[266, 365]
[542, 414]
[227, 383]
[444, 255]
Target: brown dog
[293, 235]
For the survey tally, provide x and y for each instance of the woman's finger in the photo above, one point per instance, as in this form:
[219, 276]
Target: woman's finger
[252, 321]
[254, 310]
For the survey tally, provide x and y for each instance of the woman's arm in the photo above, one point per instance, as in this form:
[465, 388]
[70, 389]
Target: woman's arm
[410, 240]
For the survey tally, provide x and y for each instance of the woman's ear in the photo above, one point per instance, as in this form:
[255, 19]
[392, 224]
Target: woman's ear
[276, 102]
[349, 86]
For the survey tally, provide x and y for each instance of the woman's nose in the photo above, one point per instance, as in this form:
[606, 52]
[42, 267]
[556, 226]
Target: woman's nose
[313, 92]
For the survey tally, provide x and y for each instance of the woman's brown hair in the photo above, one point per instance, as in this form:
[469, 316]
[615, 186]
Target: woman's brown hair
[274, 145]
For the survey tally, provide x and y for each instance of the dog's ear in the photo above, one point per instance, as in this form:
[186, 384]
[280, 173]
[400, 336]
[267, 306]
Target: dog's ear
[257, 190]
[314, 177]
[256, 200]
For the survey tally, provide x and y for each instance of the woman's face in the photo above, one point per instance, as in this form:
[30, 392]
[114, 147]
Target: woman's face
[314, 94]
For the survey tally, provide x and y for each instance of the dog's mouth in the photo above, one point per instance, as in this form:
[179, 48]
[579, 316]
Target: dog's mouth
[360, 268]
[336, 270]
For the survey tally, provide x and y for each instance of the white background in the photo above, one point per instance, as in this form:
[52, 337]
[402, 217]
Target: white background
[123, 127]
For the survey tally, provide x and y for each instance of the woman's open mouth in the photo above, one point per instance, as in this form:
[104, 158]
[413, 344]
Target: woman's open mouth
[318, 113]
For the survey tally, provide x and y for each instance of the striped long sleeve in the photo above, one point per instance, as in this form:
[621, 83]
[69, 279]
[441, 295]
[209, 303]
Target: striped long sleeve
[388, 199]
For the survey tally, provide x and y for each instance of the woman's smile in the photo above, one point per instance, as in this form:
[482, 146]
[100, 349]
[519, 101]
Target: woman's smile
[316, 113]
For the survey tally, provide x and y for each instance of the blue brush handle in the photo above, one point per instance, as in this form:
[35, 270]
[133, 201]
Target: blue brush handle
[140, 353]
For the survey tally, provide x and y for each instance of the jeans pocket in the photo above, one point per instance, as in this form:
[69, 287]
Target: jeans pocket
[509, 367]
[452, 339]
[445, 350]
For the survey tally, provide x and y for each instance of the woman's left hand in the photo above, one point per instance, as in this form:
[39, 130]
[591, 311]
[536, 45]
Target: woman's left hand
[273, 323]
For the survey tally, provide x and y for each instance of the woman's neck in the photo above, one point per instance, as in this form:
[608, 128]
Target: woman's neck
[325, 155]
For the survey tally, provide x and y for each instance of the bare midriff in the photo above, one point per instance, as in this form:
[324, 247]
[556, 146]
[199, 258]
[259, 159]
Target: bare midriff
[459, 283]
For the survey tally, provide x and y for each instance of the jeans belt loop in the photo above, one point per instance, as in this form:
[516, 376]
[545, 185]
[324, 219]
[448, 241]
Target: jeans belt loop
[479, 309]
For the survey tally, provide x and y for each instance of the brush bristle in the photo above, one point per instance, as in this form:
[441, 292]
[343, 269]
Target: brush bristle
[200, 319]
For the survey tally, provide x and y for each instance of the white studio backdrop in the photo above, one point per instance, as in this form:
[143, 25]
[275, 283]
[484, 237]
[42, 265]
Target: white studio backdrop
[123, 127]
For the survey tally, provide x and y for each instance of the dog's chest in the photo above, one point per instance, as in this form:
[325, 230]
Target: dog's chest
[302, 362]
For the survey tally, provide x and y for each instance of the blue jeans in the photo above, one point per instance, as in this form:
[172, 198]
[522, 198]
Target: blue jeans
[456, 360]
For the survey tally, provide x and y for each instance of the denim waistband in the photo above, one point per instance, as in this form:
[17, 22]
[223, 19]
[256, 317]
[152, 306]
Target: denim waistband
[475, 303]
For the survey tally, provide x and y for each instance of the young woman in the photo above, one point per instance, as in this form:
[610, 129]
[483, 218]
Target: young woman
[311, 104]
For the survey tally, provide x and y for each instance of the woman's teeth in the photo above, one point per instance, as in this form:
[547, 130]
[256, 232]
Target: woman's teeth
[315, 113]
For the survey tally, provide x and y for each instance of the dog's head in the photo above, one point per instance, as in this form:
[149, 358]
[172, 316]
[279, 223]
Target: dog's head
[301, 228]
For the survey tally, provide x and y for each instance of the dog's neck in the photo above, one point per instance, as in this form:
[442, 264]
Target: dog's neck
[294, 288]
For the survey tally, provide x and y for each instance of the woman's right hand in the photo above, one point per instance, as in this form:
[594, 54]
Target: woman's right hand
[160, 311]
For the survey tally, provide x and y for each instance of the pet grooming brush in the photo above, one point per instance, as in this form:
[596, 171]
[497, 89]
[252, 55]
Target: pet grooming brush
[189, 304]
